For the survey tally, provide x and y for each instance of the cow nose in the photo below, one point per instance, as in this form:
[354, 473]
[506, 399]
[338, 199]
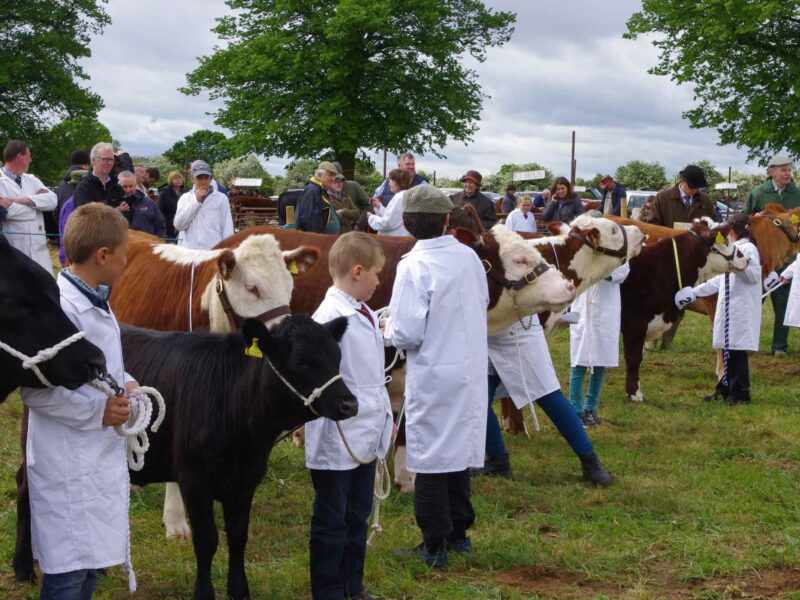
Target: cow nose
[570, 286]
[349, 407]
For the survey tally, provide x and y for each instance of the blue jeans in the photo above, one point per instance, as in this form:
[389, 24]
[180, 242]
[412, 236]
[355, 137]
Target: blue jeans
[559, 411]
[338, 544]
[592, 399]
[73, 585]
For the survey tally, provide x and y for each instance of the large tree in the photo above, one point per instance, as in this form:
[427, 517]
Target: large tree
[304, 78]
[641, 175]
[741, 57]
[211, 146]
[51, 150]
[41, 42]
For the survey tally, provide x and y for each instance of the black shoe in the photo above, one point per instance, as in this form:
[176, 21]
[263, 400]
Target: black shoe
[497, 466]
[591, 418]
[435, 559]
[594, 472]
[715, 396]
[462, 546]
[582, 417]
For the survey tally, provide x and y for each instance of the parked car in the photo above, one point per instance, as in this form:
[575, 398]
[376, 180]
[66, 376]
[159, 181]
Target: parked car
[637, 198]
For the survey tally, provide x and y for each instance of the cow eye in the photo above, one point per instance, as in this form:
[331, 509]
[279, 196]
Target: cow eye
[251, 289]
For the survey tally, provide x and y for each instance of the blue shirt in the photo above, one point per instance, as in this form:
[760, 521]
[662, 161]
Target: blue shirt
[616, 194]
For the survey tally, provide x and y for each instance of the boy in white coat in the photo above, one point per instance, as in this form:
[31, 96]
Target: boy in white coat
[76, 462]
[438, 315]
[737, 322]
[343, 482]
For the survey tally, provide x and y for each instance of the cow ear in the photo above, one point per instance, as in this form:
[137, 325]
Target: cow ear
[226, 263]
[555, 227]
[467, 237]
[337, 327]
[593, 235]
[723, 228]
[300, 259]
[256, 338]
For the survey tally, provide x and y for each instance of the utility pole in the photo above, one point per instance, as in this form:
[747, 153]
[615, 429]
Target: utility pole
[385, 151]
[573, 164]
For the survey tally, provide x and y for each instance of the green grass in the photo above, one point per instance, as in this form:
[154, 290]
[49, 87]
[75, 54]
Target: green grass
[705, 505]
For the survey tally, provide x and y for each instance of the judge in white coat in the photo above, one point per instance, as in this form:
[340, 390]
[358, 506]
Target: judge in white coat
[203, 215]
[388, 220]
[344, 479]
[438, 315]
[594, 342]
[792, 317]
[737, 322]
[27, 199]
[521, 218]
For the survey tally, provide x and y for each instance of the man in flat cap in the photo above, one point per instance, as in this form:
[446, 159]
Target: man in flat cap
[613, 193]
[482, 204]
[315, 210]
[781, 189]
[684, 202]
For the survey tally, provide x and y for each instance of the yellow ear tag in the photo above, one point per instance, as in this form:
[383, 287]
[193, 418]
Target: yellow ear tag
[720, 239]
[293, 268]
[795, 219]
[254, 351]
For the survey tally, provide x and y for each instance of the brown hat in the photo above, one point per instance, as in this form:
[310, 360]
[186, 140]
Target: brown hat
[474, 176]
[328, 166]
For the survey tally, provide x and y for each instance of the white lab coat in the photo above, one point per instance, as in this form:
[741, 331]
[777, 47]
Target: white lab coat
[792, 318]
[77, 469]
[527, 373]
[362, 369]
[389, 219]
[516, 221]
[203, 225]
[438, 315]
[24, 225]
[594, 339]
[745, 303]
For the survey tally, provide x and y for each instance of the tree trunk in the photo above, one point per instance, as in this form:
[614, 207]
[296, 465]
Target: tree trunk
[348, 162]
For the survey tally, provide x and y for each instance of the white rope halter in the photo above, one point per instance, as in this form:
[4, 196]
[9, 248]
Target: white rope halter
[31, 362]
[316, 393]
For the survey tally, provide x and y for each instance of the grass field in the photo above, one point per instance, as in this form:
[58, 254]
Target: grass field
[705, 505]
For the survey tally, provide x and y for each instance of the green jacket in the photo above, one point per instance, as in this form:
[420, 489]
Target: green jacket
[766, 194]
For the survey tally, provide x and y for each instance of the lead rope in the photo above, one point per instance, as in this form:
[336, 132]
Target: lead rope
[31, 362]
[677, 264]
[524, 382]
[726, 327]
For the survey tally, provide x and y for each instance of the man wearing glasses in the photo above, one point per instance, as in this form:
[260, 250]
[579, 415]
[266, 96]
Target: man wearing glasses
[100, 185]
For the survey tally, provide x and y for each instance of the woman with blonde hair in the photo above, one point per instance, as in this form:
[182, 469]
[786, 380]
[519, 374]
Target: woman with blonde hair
[168, 196]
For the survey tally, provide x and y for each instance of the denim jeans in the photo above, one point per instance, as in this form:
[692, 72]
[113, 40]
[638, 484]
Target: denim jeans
[576, 377]
[73, 585]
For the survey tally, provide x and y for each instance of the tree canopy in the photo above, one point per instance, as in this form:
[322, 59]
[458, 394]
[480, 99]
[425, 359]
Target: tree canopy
[203, 144]
[248, 166]
[741, 57]
[641, 175]
[501, 179]
[41, 42]
[51, 149]
[302, 78]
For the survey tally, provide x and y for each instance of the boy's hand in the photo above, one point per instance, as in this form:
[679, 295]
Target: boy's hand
[117, 411]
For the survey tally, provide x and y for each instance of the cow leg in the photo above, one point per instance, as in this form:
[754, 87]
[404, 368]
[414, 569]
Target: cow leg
[200, 506]
[513, 420]
[669, 334]
[23, 551]
[633, 335]
[174, 516]
[236, 511]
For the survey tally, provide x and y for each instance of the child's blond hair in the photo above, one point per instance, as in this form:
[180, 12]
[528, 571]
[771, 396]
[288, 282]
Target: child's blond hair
[91, 227]
[351, 249]
[522, 199]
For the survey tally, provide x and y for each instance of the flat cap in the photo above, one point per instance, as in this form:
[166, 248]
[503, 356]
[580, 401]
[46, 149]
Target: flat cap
[328, 166]
[779, 161]
[425, 198]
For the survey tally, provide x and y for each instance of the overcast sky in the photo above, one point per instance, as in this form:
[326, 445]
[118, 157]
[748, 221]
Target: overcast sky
[566, 68]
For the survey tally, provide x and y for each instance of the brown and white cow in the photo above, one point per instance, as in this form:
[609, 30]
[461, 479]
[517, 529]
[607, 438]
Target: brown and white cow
[648, 307]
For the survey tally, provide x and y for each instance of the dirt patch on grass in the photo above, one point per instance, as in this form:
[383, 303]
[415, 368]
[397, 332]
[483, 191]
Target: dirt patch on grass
[660, 582]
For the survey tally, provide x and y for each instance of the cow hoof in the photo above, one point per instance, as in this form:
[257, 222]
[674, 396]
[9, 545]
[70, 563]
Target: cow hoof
[650, 345]
[179, 531]
[637, 397]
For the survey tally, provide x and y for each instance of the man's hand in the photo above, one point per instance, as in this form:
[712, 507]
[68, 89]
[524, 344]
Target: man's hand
[771, 281]
[118, 409]
[685, 297]
[5, 202]
[123, 207]
[201, 194]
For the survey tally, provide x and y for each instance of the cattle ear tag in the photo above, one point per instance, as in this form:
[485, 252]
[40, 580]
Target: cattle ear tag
[720, 238]
[254, 351]
[795, 219]
[293, 268]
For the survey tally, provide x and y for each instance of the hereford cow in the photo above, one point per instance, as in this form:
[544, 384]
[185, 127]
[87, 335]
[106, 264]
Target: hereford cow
[648, 305]
[31, 321]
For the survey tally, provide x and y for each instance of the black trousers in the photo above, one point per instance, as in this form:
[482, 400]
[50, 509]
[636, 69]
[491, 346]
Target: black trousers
[442, 507]
[338, 543]
[738, 387]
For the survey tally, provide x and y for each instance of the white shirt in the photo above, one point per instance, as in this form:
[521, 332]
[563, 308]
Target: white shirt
[203, 225]
[792, 318]
[24, 225]
[389, 219]
[516, 221]
[77, 469]
[438, 315]
[362, 369]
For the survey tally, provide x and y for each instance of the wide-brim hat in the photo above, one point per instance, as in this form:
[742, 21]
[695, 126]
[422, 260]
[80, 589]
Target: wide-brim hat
[425, 198]
[473, 176]
[694, 177]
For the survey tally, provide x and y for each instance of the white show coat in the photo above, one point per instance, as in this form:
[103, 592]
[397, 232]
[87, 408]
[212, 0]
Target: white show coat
[594, 339]
[24, 225]
[792, 318]
[77, 469]
[438, 315]
[745, 302]
[202, 225]
[389, 219]
[529, 368]
[369, 432]
[516, 221]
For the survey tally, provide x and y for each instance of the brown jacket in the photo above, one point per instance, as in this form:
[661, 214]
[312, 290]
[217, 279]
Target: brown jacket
[347, 212]
[668, 208]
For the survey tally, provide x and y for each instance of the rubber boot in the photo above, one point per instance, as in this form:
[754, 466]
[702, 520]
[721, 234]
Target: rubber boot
[497, 466]
[594, 472]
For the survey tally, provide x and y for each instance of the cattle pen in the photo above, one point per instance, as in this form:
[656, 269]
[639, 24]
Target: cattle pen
[705, 503]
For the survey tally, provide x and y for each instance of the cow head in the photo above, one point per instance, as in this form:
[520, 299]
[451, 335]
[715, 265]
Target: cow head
[520, 281]
[31, 320]
[254, 280]
[304, 357]
[723, 256]
[777, 233]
